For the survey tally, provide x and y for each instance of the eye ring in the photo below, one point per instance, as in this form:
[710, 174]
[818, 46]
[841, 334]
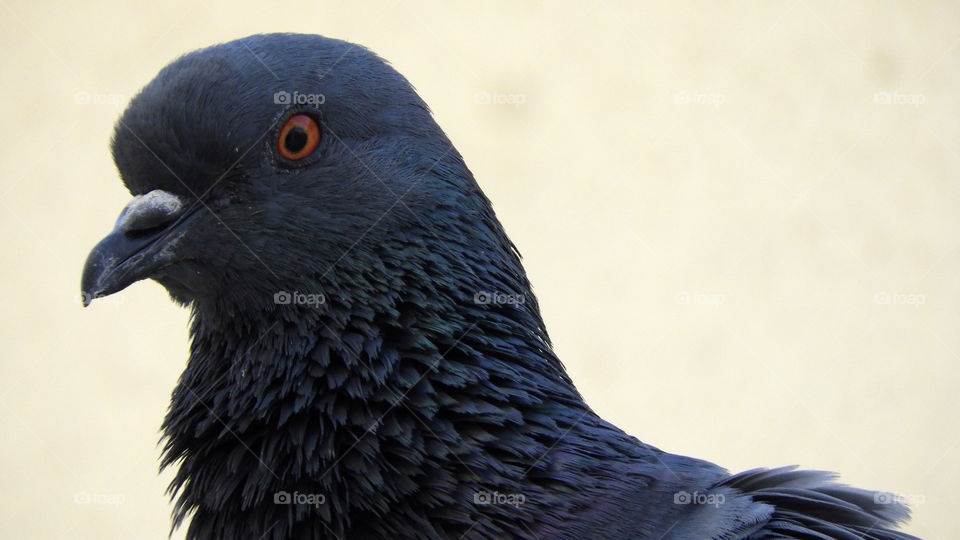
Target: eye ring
[299, 137]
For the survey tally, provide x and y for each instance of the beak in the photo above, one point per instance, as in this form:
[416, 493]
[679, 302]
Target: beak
[140, 244]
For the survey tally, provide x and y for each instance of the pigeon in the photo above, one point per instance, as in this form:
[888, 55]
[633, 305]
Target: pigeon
[367, 357]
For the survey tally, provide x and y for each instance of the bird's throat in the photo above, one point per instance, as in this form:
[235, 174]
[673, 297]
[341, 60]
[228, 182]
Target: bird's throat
[356, 406]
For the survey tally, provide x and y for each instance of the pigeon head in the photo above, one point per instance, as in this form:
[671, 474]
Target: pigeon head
[241, 154]
[337, 256]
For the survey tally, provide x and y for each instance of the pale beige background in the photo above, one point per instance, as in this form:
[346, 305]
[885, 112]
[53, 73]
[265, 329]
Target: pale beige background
[741, 223]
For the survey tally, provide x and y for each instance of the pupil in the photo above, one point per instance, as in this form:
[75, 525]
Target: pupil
[296, 140]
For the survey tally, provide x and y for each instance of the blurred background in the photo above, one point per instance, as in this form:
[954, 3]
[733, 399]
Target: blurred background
[740, 221]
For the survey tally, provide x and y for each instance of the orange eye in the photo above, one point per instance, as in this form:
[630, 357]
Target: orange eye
[299, 137]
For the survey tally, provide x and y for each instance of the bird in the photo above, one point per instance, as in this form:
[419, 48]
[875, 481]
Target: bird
[367, 357]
